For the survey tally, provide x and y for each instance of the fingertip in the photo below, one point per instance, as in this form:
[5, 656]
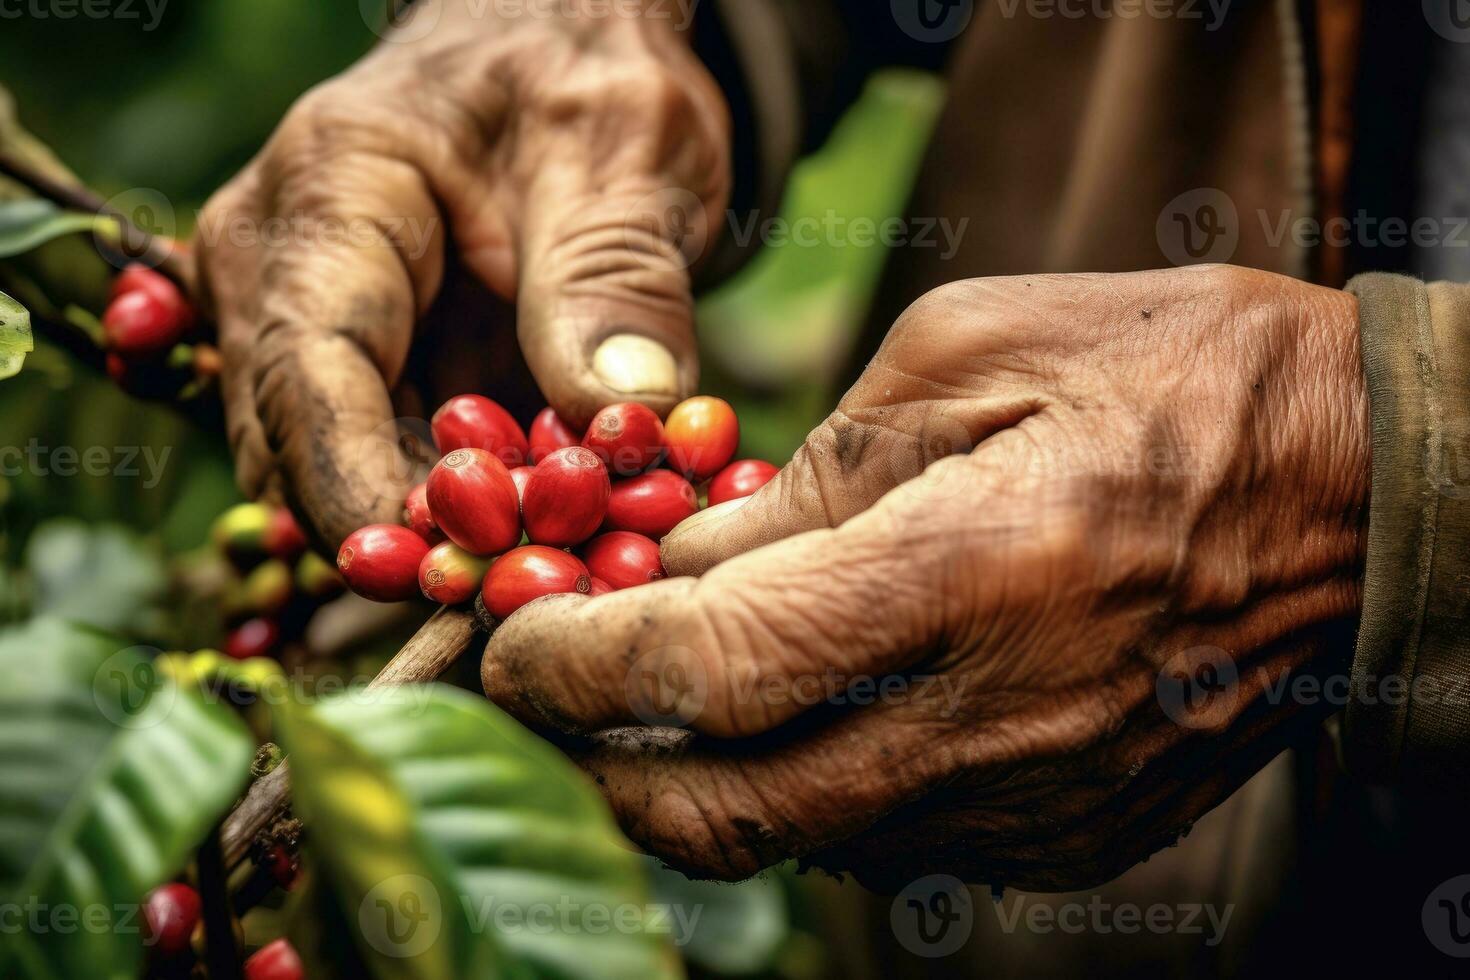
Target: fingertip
[701, 542]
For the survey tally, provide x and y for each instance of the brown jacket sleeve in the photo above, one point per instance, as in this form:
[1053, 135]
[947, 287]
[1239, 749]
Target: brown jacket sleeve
[1408, 720]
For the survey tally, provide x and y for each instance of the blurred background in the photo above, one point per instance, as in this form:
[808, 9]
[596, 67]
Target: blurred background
[177, 110]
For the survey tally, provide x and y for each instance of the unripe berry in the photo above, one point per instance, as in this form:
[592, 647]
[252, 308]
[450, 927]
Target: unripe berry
[566, 498]
[474, 502]
[417, 517]
[253, 638]
[740, 479]
[623, 559]
[476, 422]
[277, 961]
[171, 912]
[529, 573]
[450, 575]
[651, 504]
[267, 589]
[548, 434]
[140, 324]
[316, 578]
[702, 434]
[283, 537]
[381, 562]
[240, 531]
[628, 438]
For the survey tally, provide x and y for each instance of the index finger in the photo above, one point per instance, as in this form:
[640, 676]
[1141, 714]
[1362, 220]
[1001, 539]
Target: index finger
[811, 614]
[336, 317]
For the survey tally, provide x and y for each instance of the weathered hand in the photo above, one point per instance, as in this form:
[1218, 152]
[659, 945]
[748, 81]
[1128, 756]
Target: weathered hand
[1142, 474]
[556, 150]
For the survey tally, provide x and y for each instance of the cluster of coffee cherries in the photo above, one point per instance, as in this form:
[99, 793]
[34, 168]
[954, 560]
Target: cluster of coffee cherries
[277, 582]
[171, 915]
[512, 517]
[147, 317]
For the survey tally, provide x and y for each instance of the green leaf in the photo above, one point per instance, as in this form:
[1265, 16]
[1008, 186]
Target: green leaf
[463, 846]
[741, 926]
[109, 775]
[15, 337]
[30, 222]
[101, 575]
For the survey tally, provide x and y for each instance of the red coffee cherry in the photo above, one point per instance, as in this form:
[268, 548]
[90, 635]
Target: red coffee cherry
[450, 575]
[416, 515]
[702, 435]
[549, 433]
[257, 637]
[277, 961]
[170, 913]
[476, 422]
[381, 562]
[283, 866]
[474, 502]
[146, 321]
[740, 479]
[623, 559]
[520, 476]
[651, 504]
[628, 438]
[529, 573]
[136, 277]
[566, 498]
[599, 587]
[283, 537]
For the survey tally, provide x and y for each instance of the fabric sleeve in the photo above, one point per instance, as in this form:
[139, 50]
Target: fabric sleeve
[1408, 720]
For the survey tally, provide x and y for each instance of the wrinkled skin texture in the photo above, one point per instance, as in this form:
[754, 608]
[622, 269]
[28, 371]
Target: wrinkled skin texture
[522, 150]
[1133, 467]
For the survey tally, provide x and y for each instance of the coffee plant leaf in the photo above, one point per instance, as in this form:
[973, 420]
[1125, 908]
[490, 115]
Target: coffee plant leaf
[742, 926]
[30, 222]
[110, 776]
[15, 337]
[461, 845]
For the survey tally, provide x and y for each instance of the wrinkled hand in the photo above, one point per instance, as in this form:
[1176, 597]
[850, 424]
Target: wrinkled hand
[1147, 480]
[576, 164]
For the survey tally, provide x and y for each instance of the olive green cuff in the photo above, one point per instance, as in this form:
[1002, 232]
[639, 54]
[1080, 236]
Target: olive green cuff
[1408, 720]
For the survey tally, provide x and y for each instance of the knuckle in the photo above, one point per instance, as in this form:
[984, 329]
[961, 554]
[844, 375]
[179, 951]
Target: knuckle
[949, 303]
